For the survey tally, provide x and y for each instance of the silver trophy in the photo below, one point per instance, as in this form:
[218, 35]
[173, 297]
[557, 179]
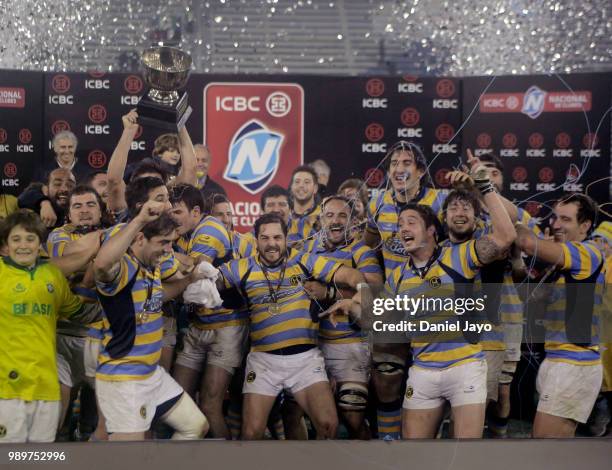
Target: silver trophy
[166, 71]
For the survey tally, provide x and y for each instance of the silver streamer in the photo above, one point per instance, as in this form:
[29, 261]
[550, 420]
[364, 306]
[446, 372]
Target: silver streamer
[427, 37]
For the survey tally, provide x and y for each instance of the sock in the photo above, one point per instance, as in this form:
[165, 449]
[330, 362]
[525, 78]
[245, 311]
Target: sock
[389, 420]
[234, 420]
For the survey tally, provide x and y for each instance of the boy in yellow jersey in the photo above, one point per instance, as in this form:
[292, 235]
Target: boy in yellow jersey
[35, 294]
[131, 386]
[283, 334]
[407, 175]
[344, 346]
[570, 377]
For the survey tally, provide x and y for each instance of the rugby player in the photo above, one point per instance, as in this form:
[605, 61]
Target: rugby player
[216, 339]
[283, 333]
[570, 376]
[50, 200]
[462, 218]
[85, 211]
[355, 190]
[132, 388]
[407, 174]
[344, 347]
[303, 223]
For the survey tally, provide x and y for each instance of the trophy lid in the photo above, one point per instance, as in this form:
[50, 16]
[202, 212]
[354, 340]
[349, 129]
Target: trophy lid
[166, 68]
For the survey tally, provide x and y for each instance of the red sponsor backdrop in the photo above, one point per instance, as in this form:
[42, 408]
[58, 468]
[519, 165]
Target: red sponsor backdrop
[20, 128]
[348, 121]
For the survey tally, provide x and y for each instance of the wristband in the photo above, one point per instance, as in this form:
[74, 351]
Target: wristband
[482, 181]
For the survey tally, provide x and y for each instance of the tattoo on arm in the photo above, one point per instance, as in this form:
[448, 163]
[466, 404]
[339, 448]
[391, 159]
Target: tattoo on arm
[486, 250]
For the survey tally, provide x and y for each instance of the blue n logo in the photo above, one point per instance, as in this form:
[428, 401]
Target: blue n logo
[253, 157]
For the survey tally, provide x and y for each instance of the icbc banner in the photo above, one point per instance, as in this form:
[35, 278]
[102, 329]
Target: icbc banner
[255, 132]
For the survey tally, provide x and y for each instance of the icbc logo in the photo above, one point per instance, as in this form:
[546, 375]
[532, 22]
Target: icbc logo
[25, 136]
[533, 208]
[132, 84]
[519, 174]
[536, 140]
[410, 117]
[546, 174]
[509, 140]
[3, 136]
[440, 177]
[138, 132]
[60, 83]
[278, 104]
[10, 170]
[444, 133]
[563, 140]
[96, 159]
[374, 177]
[590, 140]
[59, 126]
[375, 87]
[445, 88]
[96, 74]
[374, 132]
[483, 140]
[97, 113]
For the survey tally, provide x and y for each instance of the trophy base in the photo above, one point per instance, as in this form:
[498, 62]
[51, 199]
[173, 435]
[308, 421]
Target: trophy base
[170, 118]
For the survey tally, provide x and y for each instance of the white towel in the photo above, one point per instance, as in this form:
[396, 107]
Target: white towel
[204, 292]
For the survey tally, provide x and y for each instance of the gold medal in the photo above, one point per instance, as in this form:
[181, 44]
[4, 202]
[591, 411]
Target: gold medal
[141, 317]
[274, 309]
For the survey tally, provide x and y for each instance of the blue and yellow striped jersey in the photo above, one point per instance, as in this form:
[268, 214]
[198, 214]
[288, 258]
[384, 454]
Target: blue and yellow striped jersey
[357, 255]
[302, 228]
[450, 274]
[293, 324]
[133, 323]
[168, 268]
[243, 245]
[583, 264]
[209, 239]
[509, 306]
[383, 213]
[31, 302]
[210, 319]
[169, 264]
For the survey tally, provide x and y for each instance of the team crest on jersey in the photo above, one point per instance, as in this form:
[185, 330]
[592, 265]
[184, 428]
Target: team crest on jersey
[533, 102]
[394, 245]
[409, 392]
[2, 430]
[143, 412]
[435, 282]
[50, 288]
[250, 378]
[19, 288]
[253, 156]
[295, 280]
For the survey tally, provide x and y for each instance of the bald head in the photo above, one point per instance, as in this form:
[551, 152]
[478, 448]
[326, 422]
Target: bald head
[61, 181]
